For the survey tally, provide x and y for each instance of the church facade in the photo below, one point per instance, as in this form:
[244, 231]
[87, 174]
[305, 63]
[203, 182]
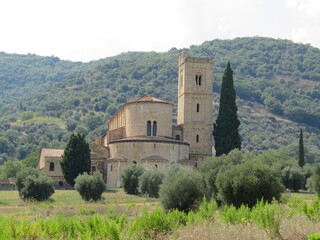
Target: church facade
[141, 131]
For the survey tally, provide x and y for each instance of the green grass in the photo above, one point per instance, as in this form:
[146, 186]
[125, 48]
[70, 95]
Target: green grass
[61, 197]
[10, 200]
[303, 195]
[39, 120]
[69, 203]
[121, 216]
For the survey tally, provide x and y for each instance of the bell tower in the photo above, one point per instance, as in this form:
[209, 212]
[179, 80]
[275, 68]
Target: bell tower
[195, 103]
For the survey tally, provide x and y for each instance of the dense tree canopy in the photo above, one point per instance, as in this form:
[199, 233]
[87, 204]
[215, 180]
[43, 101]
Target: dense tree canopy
[277, 84]
[33, 185]
[150, 181]
[76, 158]
[182, 189]
[90, 187]
[225, 130]
[130, 178]
[301, 149]
[247, 183]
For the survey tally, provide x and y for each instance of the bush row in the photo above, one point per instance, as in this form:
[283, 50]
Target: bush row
[237, 178]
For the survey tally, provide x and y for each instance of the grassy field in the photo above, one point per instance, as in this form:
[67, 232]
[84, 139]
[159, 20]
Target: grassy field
[69, 203]
[143, 219]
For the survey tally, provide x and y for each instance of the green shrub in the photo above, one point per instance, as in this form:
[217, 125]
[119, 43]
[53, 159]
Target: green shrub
[211, 168]
[312, 211]
[11, 168]
[32, 185]
[181, 189]
[268, 216]
[205, 211]
[149, 225]
[248, 182]
[315, 178]
[231, 214]
[87, 212]
[38, 188]
[90, 187]
[22, 175]
[293, 178]
[150, 182]
[295, 206]
[130, 178]
[314, 236]
[27, 115]
[92, 227]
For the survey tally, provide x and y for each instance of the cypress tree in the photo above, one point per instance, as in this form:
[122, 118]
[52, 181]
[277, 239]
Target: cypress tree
[301, 150]
[225, 130]
[76, 158]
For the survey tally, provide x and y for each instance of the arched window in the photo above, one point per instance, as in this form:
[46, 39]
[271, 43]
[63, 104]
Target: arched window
[51, 167]
[199, 80]
[149, 128]
[93, 169]
[154, 130]
[177, 137]
[197, 138]
[198, 107]
[134, 162]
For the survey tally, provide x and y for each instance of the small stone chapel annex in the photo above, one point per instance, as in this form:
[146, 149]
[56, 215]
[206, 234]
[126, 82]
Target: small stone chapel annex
[141, 131]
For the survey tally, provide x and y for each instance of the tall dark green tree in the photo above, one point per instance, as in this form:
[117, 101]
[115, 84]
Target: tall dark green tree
[225, 130]
[301, 150]
[76, 158]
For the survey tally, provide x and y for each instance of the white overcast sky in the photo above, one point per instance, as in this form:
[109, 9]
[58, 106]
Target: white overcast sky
[84, 30]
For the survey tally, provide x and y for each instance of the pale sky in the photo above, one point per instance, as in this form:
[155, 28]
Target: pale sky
[85, 30]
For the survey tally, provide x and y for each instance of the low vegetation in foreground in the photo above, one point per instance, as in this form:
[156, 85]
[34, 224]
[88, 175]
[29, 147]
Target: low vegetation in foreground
[122, 216]
[239, 195]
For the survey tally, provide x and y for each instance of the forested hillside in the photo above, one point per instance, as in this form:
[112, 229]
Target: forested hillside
[24, 75]
[277, 83]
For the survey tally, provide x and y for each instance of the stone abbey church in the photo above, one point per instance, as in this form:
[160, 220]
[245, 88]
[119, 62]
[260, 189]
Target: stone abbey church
[141, 131]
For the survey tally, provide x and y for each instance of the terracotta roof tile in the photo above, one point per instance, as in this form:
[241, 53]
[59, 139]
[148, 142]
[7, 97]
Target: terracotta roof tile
[149, 99]
[147, 139]
[138, 100]
[96, 155]
[51, 152]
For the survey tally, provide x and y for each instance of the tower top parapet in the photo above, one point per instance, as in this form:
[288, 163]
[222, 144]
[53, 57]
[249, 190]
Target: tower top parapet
[184, 57]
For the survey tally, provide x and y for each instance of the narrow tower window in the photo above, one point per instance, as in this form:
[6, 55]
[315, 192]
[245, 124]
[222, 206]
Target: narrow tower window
[199, 80]
[154, 130]
[196, 80]
[198, 107]
[197, 138]
[51, 167]
[149, 128]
